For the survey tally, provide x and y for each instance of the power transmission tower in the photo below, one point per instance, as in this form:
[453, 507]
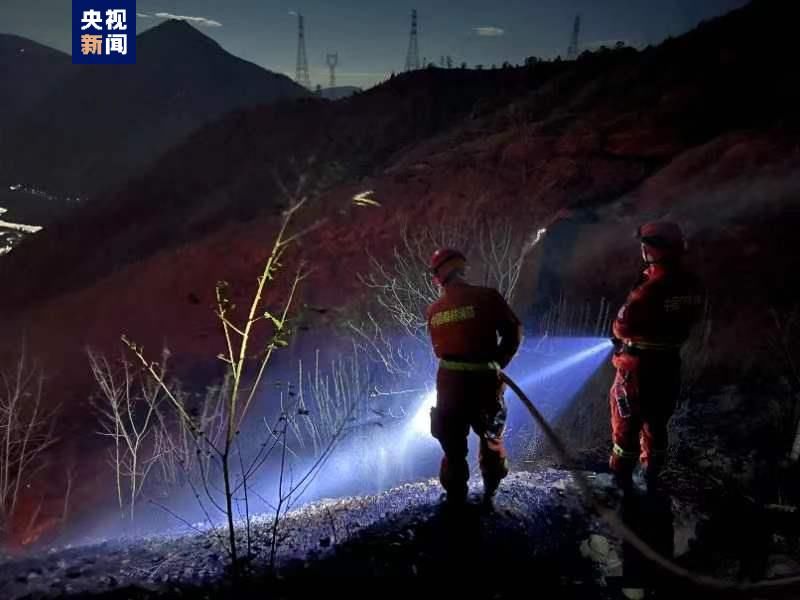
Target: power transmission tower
[572, 51]
[333, 61]
[412, 57]
[302, 77]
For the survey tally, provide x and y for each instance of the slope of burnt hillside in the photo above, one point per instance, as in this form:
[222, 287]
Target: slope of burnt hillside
[653, 129]
[228, 171]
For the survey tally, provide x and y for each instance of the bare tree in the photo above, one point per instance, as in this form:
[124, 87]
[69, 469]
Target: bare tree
[397, 357]
[181, 458]
[403, 288]
[567, 317]
[327, 399]
[495, 249]
[129, 415]
[26, 432]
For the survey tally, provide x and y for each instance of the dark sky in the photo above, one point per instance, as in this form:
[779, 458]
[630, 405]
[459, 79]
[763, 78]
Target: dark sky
[371, 36]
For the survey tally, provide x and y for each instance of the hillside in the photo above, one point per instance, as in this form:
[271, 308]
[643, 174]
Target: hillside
[29, 71]
[651, 129]
[703, 128]
[106, 123]
[228, 172]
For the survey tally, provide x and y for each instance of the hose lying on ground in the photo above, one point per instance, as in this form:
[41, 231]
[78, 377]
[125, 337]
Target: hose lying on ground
[625, 532]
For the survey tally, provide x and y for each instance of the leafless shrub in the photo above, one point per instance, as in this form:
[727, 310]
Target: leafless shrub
[26, 431]
[182, 459]
[398, 356]
[394, 332]
[570, 318]
[783, 343]
[129, 412]
[327, 399]
[403, 288]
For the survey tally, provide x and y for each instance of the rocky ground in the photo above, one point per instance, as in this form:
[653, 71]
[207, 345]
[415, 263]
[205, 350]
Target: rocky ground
[717, 515]
[538, 533]
[537, 529]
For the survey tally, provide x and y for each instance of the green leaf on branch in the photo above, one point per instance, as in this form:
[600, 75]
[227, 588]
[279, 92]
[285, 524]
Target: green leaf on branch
[275, 320]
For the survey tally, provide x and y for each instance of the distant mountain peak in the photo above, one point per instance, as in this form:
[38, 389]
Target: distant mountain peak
[175, 32]
[10, 43]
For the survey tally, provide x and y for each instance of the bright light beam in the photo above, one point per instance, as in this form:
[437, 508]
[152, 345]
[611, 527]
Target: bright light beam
[408, 453]
[421, 422]
[565, 363]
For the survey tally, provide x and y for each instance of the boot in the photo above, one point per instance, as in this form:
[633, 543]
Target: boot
[623, 480]
[456, 496]
[489, 493]
[653, 482]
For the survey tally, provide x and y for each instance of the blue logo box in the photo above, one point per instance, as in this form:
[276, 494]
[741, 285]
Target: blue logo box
[103, 32]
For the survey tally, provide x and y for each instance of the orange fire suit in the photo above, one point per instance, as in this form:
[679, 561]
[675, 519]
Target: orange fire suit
[651, 326]
[464, 325]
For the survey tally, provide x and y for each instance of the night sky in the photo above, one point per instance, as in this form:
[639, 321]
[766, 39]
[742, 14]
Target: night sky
[371, 36]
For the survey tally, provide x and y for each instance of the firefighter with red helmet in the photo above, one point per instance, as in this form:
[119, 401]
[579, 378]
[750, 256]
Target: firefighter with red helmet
[474, 334]
[649, 331]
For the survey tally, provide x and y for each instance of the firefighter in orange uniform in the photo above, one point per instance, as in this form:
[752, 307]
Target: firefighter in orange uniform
[465, 324]
[649, 331]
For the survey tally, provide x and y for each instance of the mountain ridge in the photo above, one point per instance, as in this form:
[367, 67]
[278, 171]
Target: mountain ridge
[93, 141]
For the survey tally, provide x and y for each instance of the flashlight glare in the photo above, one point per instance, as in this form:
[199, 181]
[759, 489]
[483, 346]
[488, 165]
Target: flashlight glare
[421, 423]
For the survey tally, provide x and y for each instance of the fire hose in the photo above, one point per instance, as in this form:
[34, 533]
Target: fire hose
[626, 533]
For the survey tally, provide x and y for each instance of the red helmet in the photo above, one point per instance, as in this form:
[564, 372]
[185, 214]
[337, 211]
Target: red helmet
[662, 240]
[449, 258]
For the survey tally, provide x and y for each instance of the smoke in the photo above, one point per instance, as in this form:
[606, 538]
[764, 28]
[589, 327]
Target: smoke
[739, 199]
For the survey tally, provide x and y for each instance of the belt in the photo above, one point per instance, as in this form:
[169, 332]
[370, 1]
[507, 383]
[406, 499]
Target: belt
[460, 365]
